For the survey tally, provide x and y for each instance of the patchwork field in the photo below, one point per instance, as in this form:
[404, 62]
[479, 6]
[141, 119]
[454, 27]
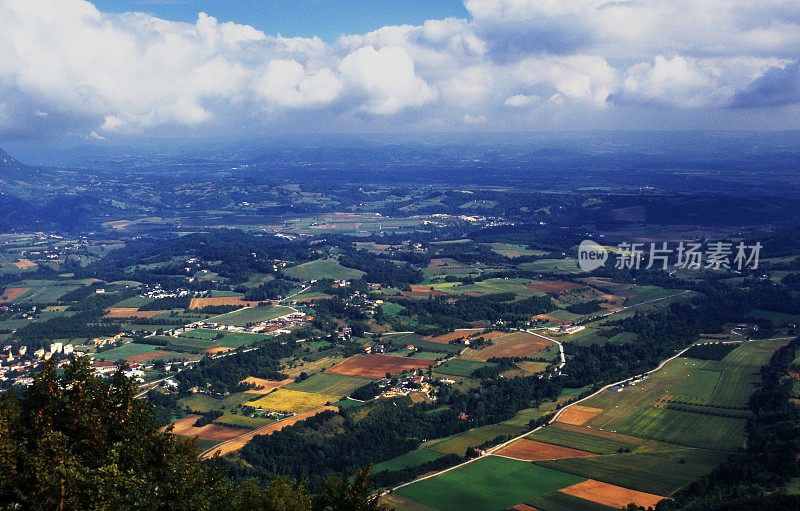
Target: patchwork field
[532, 450]
[239, 301]
[461, 367]
[237, 443]
[489, 484]
[578, 414]
[265, 386]
[587, 439]
[251, 315]
[140, 353]
[517, 344]
[410, 459]
[699, 403]
[376, 366]
[323, 269]
[329, 384]
[12, 293]
[130, 312]
[657, 472]
[554, 286]
[611, 495]
[185, 427]
[293, 401]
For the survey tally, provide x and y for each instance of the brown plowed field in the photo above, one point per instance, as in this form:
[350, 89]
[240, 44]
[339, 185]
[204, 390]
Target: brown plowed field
[553, 286]
[216, 350]
[184, 427]
[267, 386]
[577, 414]
[237, 443]
[611, 495]
[462, 334]
[532, 450]
[12, 293]
[23, 264]
[518, 344]
[599, 433]
[199, 303]
[423, 291]
[150, 355]
[376, 366]
[130, 312]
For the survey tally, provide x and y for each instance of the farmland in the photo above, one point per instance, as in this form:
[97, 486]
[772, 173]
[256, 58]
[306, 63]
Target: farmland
[251, 315]
[489, 484]
[293, 401]
[329, 384]
[517, 344]
[376, 366]
[323, 269]
[135, 352]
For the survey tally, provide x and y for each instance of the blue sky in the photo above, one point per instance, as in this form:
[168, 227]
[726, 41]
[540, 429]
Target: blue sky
[326, 19]
[122, 73]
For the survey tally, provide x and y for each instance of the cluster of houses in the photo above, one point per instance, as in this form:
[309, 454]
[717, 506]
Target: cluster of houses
[413, 384]
[281, 325]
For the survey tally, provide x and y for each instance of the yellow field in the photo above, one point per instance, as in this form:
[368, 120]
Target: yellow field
[294, 401]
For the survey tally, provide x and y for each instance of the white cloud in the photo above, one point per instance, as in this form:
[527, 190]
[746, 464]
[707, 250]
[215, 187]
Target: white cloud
[513, 60]
[286, 83]
[387, 77]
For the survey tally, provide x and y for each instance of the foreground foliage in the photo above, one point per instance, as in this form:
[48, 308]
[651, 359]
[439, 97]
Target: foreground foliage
[76, 442]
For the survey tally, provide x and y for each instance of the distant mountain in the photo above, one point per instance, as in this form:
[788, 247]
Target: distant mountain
[9, 163]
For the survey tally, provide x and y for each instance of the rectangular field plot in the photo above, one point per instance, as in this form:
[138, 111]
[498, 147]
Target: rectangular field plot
[329, 384]
[578, 437]
[559, 501]
[294, 401]
[531, 450]
[611, 495]
[376, 366]
[517, 344]
[461, 367]
[458, 444]
[140, 353]
[323, 269]
[489, 484]
[658, 473]
[251, 315]
[411, 459]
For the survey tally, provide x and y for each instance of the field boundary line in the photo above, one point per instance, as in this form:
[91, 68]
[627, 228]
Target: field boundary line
[491, 451]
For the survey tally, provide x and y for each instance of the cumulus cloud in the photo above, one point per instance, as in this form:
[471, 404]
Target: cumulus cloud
[387, 77]
[776, 87]
[66, 67]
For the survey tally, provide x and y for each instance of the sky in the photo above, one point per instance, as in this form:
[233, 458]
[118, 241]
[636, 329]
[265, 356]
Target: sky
[124, 72]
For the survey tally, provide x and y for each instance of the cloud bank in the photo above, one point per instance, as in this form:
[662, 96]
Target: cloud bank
[67, 69]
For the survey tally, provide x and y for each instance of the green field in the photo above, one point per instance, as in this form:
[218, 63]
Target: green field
[557, 501]
[489, 286]
[489, 484]
[647, 293]
[660, 473]
[460, 367]
[458, 444]
[411, 459]
[251, 315]
[294, 401]
[779, 318]
[569, 437]
[133, 349]
[557, 266]
[698, 403]
[323, 269]
[392, 309]
[403, 340]
[329, 384]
